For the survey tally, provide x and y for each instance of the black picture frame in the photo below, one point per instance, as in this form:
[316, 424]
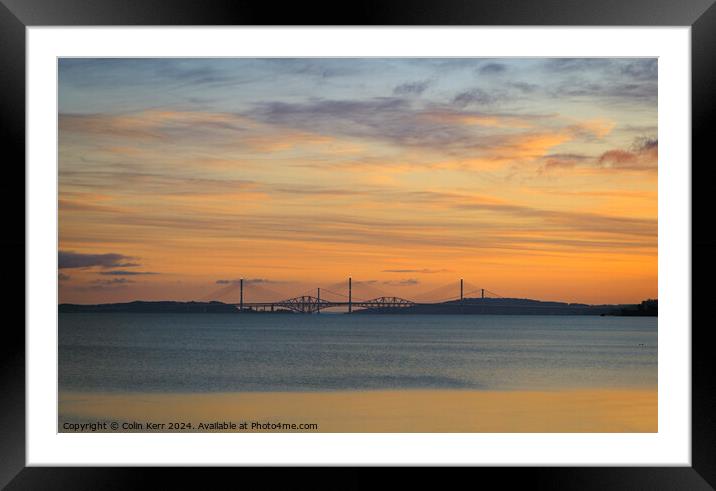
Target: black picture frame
[16, 15]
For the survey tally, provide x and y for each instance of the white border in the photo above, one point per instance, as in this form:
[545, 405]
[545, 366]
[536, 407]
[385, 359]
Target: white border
[670, 446]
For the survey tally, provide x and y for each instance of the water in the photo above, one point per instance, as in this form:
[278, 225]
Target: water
[230, 353]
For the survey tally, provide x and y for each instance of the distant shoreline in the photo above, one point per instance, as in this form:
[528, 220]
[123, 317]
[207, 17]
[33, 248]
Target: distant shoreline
[469, 306]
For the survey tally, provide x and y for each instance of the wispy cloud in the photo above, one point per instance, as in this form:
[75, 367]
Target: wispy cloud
[406, 282]
[642, 156]
[70, 259]
[476, 97]
[113, 281]
[493, 68]
[564, 160]
[114, 284]
[119, 272]
[154, 124]
[410, 88]
[248, 281]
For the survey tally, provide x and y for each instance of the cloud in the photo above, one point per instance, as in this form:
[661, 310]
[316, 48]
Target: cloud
[84, 206]
[318, 125]
[366, 282]
[524, 87]
[556, 161]
[113, 178]
[192, 73]
[576, 64]
[125, 72]
[645, 144]
[63, 277]
[592, 128]
[70, 259]
[121, 272]
[475, 96]
[645, 69]
[425, 271]
[156, 127]
[247, 281]
[113, 281]
[492, 68]
[436, 128]
[643, 156]
[155, 124]
[308, 190]
[614, 80]
[321, 111]
[521, 227]
[554, 220]
[313, 67]
[449, 117]
[407, 282]
[105, 285]
[411, 88]
[610, 90]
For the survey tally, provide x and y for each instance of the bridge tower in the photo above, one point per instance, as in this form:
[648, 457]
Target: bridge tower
[318, 305]
[461, 289]
[483, 293]
[350, 295]
[241, 295]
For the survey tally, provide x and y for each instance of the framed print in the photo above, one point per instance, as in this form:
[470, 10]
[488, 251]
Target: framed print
[431, 237]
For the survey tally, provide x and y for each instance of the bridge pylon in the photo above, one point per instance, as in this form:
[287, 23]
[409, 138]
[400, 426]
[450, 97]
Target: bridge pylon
[350, 294]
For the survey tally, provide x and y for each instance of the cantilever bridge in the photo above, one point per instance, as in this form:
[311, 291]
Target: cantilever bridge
[311, 304]
[307, 304]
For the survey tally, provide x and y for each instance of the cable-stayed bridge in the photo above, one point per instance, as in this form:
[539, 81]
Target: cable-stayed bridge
[325, 298]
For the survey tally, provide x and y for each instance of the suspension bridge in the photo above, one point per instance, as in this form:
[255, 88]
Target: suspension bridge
[327, 298]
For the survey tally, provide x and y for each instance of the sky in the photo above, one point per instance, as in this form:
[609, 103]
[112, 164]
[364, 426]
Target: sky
[531, 178]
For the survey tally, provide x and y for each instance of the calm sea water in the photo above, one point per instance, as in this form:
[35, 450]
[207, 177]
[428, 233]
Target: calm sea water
[231, 353]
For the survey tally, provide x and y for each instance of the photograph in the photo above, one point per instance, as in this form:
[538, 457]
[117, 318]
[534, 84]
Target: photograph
[357, 245]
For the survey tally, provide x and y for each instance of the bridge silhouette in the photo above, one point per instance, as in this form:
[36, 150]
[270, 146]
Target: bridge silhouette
[309, 303]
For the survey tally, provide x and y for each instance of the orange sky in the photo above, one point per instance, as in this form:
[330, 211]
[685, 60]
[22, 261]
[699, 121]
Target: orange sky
[530, 178]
